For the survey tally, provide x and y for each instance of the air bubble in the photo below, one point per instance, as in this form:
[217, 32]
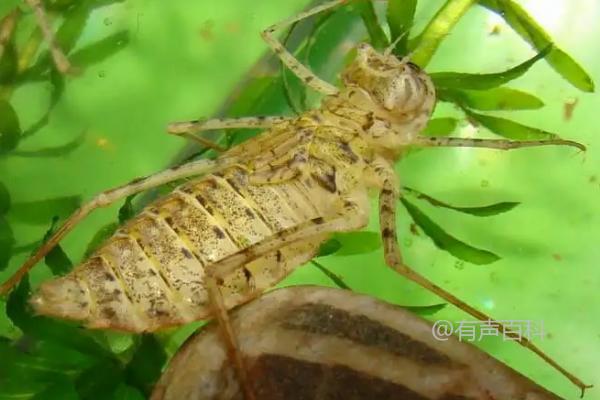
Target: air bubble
[407, 242]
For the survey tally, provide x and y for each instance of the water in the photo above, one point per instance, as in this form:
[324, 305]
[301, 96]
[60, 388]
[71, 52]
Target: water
[173, 68]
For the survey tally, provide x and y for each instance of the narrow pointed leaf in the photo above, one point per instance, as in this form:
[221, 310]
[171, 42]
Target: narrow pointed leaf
[6, 6]
[57, 260]
[440, 127]
[103, 233]
[445, 241]
[59, 5]
[16, 305]
[71, 29]
[4, 199]
[7, 243]
[334, 277]
[54, 151]
[425, 310]
[100, 50]
[8, 63]
[400, 15]
[59, 389]
[146, 364]
[357, 242]
[126, 392]
[501, 98]
[10, 129]
[40, 212]
[286, 76]
[437, 30]
[67, 36]
[481, 211]
[99, 381]
[58, 88]
[534, 34]
[329, 247]
[126, 211]
[510, 129]
[104, 3]
[69, 336]
[366, 10]
[485, 81]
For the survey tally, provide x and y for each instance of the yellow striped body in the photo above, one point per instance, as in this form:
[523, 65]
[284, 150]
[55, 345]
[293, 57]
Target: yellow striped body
[152, 272]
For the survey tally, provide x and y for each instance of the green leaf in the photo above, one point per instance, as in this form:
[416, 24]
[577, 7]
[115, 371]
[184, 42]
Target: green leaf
[485, 81]
[71, 29]
[299, 86]
[60, 389]
[437, 30]
[58, 88]
[366, 10]
[125, 392]
[334, 277]
[41, 211]
[69, 336]
[6, 6]
[100, 50]
[100, 381]
[481, 211]
[425, 311]
[16, 305]
[510, 129]
[400, 15]
[126, 211]
[58, 5]
[350, 243]
[357, 242]
[104, 3]
[57, 260]
[4, 199]
[7, 242]
[103, 233]
[48, 152]
[440, 127]
[22, 366]
[493, 99]
[10, 129]
[8, 63]
[329, 247]
[446, 242]
[67, 35]
[534, 34]
[145, 367]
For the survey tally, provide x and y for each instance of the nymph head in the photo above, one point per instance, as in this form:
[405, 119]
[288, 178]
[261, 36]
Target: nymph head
[400, 95]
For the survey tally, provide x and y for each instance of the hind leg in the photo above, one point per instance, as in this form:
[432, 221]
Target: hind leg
[387, 216]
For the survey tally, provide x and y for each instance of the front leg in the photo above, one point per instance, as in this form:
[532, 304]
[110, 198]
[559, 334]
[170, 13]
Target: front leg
[107, 198]
[299, 69]
[387, 217]
[60, 60]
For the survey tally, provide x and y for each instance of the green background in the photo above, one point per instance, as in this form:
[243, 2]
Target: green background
[185, 58]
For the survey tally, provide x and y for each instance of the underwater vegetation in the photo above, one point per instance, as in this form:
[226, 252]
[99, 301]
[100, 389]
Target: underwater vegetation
[44, 358]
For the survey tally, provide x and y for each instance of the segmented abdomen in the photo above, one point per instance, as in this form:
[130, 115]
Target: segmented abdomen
[151, 273]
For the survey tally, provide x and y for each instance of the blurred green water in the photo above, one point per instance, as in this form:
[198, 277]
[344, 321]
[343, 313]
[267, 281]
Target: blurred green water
[185, 58]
